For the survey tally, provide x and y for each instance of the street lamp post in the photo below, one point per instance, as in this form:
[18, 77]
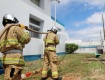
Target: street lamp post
[55, 10]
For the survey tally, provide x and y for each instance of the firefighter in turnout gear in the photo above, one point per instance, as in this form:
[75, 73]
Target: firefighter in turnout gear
[12, 43]
[50, 56]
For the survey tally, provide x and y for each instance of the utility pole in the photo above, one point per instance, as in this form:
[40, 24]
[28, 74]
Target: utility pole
[103, 26]
[104, 34]
[101, 38]
[103, 30]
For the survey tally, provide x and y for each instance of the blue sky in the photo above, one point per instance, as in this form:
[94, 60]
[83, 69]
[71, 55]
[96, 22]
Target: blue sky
[82, 18]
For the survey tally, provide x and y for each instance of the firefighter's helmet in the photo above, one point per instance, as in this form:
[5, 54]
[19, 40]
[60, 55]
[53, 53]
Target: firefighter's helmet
[54, 29]
[8, 18]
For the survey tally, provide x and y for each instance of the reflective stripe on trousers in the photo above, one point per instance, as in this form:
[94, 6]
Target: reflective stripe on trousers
[54, 73]
[44, 72]
[12, 61]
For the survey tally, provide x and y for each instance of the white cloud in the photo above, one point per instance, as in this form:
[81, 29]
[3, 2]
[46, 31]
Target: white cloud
[96, 18]
[93, 26]
[89, 2]
[90, 33]
[98, 3]
[92, 3]
[64, 2]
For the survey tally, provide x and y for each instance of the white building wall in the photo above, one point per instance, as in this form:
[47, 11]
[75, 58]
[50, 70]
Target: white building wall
[86, 47]
[44, 6]
[22, 9]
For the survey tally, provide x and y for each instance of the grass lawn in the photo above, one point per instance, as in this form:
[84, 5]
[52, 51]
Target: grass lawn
[73, 67]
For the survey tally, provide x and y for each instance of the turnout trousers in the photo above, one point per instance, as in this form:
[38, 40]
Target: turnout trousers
[12, 72]
[13, 65]
[50, 60]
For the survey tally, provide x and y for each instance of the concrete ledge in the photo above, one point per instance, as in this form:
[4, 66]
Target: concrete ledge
[1, 71]
[36, 57]
[32, 57]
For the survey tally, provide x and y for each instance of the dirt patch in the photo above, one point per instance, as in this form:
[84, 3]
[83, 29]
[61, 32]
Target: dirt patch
[100, 77]
[68, 78]
[71, 78]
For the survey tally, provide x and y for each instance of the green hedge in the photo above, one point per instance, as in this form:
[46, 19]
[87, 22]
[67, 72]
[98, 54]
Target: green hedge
[71, 47]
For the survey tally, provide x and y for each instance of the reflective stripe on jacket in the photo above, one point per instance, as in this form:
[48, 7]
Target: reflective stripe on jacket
[8, 42]
[14, 38]
[50, 48]
[51, 39]
[24, 37]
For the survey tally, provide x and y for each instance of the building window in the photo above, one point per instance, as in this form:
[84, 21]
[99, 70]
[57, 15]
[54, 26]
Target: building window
[35, 35]
[37, 2]
[35, 25]
[33, 21]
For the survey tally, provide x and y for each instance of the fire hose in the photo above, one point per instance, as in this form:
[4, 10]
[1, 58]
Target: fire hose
[34, 30]
[28, 74]
[22, 26]
[25, 27]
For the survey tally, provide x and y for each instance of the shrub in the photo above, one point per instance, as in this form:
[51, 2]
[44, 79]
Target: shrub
[71, 47]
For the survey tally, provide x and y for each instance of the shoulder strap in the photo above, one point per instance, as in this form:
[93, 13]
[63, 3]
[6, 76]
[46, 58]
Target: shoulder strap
[6, 28]
[46, 38]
